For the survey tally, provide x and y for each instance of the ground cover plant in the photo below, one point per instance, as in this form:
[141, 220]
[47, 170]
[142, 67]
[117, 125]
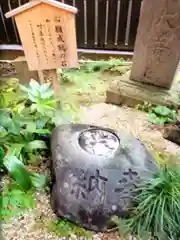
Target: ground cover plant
[155, 214]
[159, 115]
[162, 115]
[27, 116]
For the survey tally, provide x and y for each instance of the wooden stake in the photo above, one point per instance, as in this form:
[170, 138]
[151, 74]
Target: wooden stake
[41, 77]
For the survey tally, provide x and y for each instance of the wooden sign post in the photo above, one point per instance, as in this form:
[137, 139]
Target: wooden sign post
[48, 35]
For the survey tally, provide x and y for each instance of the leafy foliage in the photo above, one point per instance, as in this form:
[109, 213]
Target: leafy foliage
[20, 125]
[146, 107]
[27, 116]
[157, 207]
[14, 201]
[64, 228]
[162, 115]
[41, 97]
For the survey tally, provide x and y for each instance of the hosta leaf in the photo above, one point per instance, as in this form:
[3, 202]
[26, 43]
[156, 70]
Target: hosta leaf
[18, 172]
[38, 180]
[36, 144]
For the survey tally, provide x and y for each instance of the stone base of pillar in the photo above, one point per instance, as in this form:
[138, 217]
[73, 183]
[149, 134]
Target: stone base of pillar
[130, 93]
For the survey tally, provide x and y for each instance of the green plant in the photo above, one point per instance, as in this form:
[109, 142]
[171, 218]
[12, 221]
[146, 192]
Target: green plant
[26, 114]
[156, 207]
[64, 228]
[162, 115]
[14, 201]
[145, 107]
[20, 125]
[41, 97]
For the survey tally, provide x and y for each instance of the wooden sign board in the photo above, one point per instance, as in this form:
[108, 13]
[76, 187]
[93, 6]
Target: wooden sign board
[48, 35]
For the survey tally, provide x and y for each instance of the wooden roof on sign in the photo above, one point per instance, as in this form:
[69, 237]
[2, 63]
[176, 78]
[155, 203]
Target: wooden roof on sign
[34, 3]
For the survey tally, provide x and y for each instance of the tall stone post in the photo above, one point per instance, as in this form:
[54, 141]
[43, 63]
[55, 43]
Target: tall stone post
[157, 47]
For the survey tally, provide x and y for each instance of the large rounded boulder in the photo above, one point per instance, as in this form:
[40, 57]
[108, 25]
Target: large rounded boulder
[94, 173]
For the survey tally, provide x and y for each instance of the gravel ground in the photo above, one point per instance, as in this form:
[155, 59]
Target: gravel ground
[31, 225]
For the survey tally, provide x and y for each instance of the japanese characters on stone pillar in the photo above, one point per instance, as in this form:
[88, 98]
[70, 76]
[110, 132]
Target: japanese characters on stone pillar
[48, 35]
[157, 48]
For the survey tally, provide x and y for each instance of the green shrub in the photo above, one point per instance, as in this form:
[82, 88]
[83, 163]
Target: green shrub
[162, 115]
[156, 212]
[20, 125]
[26, 114]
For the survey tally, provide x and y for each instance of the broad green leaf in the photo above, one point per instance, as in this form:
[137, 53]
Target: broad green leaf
[14, 127]
[34, 84]
[42, 131]
[36, 144]
[38, 181]
[33, 107]
[19, 107]
[15, 149]
[5, 119]
[173, 115]
[3, 132]
[32, 97]
[153, 118]
[10, 124]
[28, 137]
[48, 94]
[170, 120]
[45, 87]
[162, 110]
[18, 172]
[40, 123]
[23, 88]
[31, 126]
[34, 159]
[2, 155]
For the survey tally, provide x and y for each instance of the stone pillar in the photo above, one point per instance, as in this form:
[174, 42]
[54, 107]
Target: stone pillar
[157, 47]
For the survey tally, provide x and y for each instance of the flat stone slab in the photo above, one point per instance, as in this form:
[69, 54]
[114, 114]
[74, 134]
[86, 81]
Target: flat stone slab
[130, 93]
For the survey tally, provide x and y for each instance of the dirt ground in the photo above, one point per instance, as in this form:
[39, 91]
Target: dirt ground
[89, 93]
